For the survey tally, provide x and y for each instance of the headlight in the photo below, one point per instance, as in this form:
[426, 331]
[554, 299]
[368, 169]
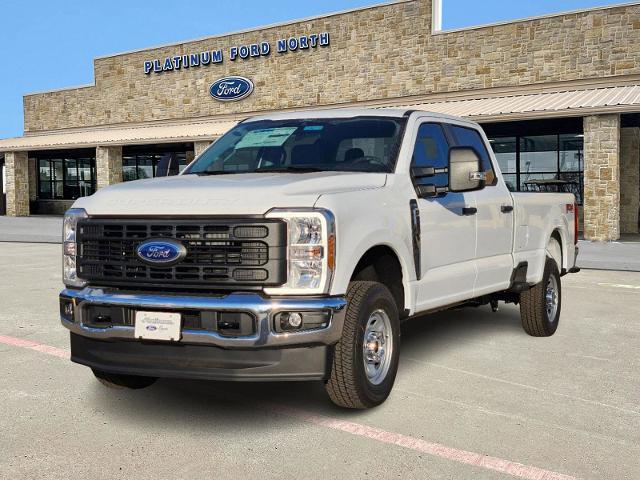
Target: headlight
[70, 248]
[310, 251]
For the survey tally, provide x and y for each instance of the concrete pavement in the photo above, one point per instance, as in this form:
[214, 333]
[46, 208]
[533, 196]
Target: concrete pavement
[622, 255]
[469, 381]
[35, 229]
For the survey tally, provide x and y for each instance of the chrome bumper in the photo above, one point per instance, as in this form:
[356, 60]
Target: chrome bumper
[262, 308]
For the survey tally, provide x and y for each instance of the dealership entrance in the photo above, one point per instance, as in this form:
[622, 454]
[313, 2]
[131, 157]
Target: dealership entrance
[3, 187]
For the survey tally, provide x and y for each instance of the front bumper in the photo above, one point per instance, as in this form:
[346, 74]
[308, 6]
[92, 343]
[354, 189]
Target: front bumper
[201, 362]
[264, 354]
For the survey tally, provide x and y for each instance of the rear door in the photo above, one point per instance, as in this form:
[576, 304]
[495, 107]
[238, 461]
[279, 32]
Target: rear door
[495, 218]
[448, 234]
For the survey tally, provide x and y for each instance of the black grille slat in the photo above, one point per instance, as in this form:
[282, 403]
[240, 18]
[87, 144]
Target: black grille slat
[107, 252]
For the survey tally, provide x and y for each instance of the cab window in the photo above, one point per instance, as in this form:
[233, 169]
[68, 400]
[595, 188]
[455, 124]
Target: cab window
[432, 150]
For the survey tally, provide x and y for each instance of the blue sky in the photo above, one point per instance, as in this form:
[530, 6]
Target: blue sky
[48, 44]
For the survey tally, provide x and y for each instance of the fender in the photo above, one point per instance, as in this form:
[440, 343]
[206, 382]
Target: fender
[341, 282]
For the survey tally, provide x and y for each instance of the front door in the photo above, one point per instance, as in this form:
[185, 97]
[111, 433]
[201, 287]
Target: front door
[448, 231]
[494, 218]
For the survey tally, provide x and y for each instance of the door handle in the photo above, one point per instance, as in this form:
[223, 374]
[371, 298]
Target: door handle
[506, 208]
[469, 210]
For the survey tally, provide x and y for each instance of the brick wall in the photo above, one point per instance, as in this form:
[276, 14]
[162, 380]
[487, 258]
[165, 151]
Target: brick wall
[108, 166]
[375, 53]
[17, 173]
[199, 147]
[602, 177]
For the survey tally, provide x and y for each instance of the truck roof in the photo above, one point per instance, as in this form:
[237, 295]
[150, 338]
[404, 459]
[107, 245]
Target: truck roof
[347, 113]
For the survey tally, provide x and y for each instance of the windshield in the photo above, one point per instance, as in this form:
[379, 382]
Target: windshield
[363, 144]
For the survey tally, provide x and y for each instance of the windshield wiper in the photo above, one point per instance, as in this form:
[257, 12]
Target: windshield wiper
[215, 172]
[291, 169]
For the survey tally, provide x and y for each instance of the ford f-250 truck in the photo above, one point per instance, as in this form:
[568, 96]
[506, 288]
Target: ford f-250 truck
[293, 247]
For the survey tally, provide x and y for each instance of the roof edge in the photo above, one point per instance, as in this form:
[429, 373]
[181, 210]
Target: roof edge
[535, 17]
[258, 28]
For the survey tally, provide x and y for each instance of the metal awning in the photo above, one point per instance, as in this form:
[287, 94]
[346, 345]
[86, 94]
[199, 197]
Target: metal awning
[126, 135]
[540, 105]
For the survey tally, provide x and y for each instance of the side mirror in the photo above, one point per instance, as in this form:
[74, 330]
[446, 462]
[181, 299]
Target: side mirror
[465, 170]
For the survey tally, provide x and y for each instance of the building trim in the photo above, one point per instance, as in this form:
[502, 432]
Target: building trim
[61, 89]
[536, 17]
[436, 16]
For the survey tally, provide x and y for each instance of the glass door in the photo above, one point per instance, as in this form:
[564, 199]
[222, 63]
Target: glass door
[3, 187]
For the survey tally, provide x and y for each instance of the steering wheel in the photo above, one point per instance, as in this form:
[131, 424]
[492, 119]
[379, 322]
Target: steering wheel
[369, 160]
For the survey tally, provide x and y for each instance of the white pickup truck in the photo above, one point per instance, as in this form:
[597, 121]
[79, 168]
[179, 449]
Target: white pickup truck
[296, 244]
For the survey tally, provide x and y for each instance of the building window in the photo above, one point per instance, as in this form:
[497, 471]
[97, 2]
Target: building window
[140, 162]
[65, 176]
[542, 162]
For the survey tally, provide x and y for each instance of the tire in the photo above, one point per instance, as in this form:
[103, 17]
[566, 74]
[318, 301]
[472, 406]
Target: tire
[349, 385]
[114, 380]
[536, 320]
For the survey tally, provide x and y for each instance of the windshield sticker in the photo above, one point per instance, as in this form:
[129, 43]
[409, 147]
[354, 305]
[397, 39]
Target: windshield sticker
[269, 137]
[313, 128]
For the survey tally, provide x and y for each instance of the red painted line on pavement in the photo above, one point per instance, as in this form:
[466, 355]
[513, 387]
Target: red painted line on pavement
[434, 449]
[430, 448]
[31, 345]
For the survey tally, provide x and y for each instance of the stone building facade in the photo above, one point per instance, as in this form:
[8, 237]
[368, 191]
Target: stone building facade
[393, 54]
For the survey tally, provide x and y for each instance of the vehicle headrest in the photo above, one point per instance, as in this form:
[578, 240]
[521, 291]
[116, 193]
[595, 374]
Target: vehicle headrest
[353, 154]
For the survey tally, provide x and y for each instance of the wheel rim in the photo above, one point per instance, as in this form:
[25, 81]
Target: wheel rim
[551, 298]
[377, 347]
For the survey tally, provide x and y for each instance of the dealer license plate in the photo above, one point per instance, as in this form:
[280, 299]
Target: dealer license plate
[158, 326]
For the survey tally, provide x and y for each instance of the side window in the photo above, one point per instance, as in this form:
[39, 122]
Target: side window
[432, 150]
[469, 137]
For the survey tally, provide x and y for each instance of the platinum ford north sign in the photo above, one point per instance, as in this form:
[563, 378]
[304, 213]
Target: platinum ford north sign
[243, 52]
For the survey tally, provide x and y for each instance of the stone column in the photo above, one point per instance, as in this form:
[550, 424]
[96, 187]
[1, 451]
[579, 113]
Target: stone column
[629, 179]
[17, 171]
[199, 147]
[108, 166]
[602, 177]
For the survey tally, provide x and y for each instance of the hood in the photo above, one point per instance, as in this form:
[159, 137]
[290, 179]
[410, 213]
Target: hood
[243, 194]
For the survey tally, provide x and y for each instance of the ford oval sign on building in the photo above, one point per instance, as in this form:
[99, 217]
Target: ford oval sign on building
[230, 89]
[161, 253]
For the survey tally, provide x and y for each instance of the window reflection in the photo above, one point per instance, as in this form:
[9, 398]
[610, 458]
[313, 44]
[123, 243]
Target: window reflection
[542, 162]
[142, 162]
[65, 175]
[505, 151]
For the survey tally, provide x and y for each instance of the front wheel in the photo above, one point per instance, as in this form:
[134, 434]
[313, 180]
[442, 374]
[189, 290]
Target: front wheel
[115, 380]
[365, 360]
[540, 305]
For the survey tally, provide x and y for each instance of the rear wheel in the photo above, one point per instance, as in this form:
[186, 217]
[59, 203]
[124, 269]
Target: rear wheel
[365, 359]
[540, 305]
[115, 380]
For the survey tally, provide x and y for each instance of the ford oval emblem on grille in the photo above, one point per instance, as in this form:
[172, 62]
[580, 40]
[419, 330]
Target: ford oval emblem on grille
[161, 252]
[228, 89]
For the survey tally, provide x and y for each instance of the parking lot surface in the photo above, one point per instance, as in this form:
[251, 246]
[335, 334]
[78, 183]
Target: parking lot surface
[475, 398]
